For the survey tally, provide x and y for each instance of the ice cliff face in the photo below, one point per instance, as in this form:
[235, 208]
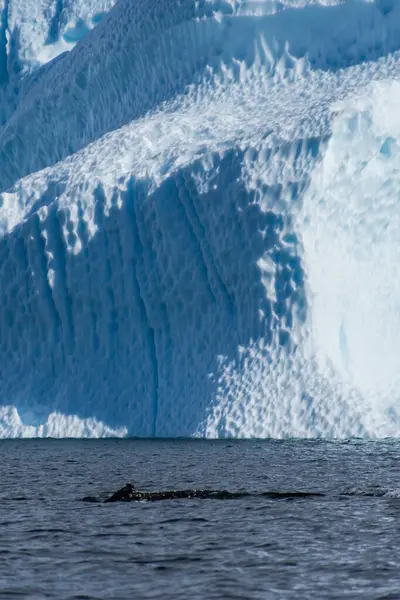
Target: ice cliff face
[199, 218]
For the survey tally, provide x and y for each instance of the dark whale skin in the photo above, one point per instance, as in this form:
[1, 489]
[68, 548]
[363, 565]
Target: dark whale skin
[128, 493]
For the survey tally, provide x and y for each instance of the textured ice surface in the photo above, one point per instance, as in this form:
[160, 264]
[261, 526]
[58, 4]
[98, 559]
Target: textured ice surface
[199, 218]
[38, 31]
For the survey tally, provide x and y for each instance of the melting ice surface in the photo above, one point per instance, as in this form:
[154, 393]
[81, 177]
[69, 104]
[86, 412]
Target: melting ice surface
[200, 218]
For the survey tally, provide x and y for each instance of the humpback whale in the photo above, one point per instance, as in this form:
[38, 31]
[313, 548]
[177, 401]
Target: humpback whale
[128, 493]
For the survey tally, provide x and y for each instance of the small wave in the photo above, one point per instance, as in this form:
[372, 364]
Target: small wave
[91, 499]
[373, 491]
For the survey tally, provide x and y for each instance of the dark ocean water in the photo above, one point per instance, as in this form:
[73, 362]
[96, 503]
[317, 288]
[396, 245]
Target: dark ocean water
[345, 544]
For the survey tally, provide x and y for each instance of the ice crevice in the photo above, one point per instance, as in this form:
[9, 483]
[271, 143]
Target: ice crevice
[55, 23]
[151, 335]
[200, 233]
[3, 41]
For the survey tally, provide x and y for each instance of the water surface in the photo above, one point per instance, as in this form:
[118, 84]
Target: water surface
[345, 544]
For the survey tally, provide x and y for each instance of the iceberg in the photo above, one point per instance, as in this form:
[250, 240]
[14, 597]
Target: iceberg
[199, 218]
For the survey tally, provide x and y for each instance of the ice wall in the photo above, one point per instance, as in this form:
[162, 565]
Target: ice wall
[193, 200]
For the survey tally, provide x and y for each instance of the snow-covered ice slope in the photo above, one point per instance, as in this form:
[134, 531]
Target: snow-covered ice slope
[199, 218]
